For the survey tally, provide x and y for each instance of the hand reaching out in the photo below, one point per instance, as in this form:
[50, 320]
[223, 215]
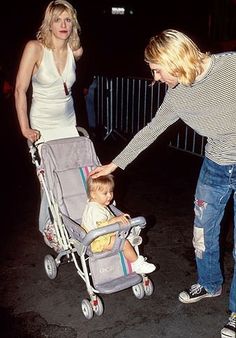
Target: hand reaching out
[103, 170]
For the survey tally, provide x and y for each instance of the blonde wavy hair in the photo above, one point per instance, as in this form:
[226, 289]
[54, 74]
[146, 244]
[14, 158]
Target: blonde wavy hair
[99, 183]
[177, 54]
[53, 10]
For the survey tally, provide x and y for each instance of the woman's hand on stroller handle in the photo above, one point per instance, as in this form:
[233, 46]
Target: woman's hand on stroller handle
[103, 170]
[31, 134]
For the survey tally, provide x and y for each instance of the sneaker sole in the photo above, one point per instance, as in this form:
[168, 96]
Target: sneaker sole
[223, 335]
[144, 273]
[194, 300]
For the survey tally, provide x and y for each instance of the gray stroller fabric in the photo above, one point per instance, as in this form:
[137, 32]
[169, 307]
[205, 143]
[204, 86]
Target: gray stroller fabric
[111, 272]
[66, 163]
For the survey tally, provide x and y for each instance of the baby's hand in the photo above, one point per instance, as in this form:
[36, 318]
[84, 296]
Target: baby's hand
[124, 219]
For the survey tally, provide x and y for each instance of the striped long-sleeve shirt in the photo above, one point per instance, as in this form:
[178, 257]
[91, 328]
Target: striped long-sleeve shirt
[208, 107]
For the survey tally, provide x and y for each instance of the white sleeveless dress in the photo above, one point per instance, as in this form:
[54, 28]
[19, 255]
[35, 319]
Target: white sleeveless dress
[52, 111]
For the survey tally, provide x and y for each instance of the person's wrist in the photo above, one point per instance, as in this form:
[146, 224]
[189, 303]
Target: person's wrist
[113, 166]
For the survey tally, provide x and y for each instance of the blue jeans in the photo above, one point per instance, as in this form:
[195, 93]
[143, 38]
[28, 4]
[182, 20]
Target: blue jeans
[215, 185]
[90, 97]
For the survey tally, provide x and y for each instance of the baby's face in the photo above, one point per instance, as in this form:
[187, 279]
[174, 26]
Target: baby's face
[103, 196]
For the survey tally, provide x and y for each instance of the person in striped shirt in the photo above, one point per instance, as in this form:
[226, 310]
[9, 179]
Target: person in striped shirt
[202, 93]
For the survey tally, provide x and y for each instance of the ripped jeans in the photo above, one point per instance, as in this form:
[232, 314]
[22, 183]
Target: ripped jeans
[216, 183]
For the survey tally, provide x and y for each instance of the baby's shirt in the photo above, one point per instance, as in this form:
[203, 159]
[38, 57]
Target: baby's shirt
[95, 215]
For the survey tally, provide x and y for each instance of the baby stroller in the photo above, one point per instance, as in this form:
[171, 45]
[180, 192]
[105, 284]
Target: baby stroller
[62, 168]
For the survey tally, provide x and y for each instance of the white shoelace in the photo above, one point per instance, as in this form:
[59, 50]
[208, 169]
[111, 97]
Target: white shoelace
[195, 289]
[232, 320]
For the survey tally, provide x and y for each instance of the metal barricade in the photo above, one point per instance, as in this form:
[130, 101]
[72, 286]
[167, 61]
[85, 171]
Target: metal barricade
[125, 105]
[188, 140]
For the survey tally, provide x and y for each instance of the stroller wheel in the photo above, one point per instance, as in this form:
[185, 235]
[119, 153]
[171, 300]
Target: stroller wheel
[138, 291]
[148, 287]
[87, 309]
[50, 266]
[98, 309]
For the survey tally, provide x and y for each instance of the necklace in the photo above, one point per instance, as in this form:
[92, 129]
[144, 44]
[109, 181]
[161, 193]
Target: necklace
[65, 88]
[59, 64]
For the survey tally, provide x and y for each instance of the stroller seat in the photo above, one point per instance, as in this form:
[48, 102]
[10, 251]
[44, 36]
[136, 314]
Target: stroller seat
[110, 270]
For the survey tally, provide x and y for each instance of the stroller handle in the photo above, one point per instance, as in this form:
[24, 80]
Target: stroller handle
[30, 144]
[138, 221]
[33, 150]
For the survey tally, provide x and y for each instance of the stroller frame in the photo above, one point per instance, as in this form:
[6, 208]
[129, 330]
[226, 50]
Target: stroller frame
[73, 242]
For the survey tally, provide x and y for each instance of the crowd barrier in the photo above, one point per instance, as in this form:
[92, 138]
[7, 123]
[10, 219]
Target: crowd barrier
[125, 105]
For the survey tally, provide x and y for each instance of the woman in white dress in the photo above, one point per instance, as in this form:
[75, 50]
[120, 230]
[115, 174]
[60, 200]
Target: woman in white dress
[49, 63]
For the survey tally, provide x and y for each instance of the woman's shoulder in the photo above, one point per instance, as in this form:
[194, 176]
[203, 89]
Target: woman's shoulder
[34, 47]
[78, 53]
[34, 44]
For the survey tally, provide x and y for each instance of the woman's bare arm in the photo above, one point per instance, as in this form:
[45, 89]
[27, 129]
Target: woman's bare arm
[28, 65]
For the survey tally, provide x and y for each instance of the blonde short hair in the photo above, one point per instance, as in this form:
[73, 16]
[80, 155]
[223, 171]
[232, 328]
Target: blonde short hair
[177, 54]
[54, 9]
[99, 183]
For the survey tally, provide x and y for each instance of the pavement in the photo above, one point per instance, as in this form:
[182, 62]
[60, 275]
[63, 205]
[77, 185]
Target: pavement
[158, 185]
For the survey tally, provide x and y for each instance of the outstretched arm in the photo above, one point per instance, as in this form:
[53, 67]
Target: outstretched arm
[103, 170]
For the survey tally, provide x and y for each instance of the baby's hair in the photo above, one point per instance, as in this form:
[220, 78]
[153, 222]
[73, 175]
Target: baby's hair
[99, 183]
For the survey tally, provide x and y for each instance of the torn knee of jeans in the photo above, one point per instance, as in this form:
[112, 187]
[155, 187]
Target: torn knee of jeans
[198, 241]
[200, 206]
[200, 203]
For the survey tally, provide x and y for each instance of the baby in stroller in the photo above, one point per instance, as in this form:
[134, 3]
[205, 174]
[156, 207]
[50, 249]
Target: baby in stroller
[97, 214]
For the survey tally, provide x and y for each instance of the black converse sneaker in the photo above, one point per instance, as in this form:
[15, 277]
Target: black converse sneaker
[229, 330]
[196, 293]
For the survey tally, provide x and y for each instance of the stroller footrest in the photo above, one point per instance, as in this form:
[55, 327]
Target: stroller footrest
[119, 284]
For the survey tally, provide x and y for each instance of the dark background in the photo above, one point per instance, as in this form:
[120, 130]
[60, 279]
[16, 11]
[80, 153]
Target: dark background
[115, 44]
